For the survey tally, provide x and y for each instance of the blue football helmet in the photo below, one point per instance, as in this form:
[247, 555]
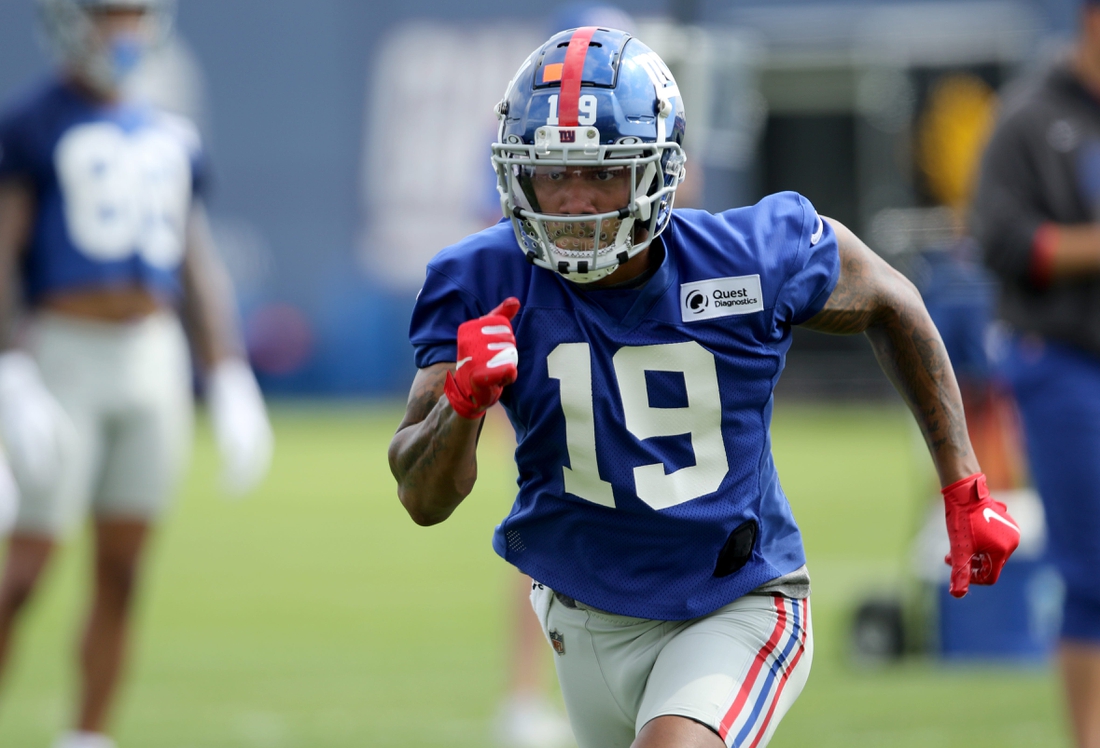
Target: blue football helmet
[106, 64]
[597, 100]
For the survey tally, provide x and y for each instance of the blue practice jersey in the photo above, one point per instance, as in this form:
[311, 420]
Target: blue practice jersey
[646, 481]
[113, 185]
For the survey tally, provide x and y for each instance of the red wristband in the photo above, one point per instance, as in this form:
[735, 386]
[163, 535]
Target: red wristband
[461, 404]
[952, 492]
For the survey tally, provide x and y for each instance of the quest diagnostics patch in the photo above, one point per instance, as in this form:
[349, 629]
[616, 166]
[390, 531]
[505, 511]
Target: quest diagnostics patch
[720, 297]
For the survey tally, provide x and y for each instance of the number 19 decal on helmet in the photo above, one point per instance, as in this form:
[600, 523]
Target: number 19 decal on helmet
[593, 115]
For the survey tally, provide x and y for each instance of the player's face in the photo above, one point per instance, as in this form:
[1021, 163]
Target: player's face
[581, 190]
[116, 41]
[112, 24]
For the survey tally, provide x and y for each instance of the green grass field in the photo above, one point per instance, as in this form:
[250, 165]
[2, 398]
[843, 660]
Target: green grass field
[314, 614]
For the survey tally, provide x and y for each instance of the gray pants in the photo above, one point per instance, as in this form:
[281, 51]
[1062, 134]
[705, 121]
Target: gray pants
[126, 389]
[737, 670]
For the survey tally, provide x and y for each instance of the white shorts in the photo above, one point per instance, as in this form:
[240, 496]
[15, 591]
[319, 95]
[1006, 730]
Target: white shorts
[126, 389]
[737, 670]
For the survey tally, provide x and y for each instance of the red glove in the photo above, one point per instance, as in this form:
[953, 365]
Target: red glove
[982, 533]
[487, 360]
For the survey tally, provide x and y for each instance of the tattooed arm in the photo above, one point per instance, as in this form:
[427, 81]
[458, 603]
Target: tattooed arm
[433, 455]
[873, 298]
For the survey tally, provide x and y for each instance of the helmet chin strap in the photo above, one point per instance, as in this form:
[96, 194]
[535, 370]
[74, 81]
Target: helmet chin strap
[590, 277]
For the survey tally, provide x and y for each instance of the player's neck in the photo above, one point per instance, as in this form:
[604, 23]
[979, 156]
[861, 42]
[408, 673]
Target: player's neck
[635, 271]
[89, 92]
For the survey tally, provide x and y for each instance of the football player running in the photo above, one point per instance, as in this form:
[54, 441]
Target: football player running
[635, 350]
[102, 229]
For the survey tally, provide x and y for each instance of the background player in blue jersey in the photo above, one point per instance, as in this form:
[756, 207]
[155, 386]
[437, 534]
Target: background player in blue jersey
[635, 350]
[102, 229]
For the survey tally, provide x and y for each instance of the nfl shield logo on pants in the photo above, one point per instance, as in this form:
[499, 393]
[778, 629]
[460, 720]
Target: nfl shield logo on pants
[558, 641]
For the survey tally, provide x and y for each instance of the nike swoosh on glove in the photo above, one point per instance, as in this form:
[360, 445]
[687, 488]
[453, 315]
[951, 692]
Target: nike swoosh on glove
[487, 361]
[982, 533]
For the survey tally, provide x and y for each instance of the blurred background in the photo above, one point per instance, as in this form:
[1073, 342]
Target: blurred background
[349, 139]
[349, 143]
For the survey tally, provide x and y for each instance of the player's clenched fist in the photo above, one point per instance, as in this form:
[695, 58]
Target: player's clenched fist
[487, 361]
[982, 533]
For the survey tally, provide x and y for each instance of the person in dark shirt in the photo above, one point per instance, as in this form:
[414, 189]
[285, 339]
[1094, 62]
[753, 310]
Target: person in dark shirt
[1037, 216]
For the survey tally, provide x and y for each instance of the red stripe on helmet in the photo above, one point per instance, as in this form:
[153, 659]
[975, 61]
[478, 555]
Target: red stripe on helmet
[571, 76]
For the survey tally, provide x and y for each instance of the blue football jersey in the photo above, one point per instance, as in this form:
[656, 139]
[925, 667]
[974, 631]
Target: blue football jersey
[113, 185]
[646, 481]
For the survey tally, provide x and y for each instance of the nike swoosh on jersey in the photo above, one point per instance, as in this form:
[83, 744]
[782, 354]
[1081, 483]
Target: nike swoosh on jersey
[463, 362]
[818, 231]
[990, 514]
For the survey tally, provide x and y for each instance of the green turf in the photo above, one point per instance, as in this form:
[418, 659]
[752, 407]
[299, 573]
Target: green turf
[315, 614]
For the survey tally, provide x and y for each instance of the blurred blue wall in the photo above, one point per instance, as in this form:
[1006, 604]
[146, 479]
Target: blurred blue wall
[286, 84]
